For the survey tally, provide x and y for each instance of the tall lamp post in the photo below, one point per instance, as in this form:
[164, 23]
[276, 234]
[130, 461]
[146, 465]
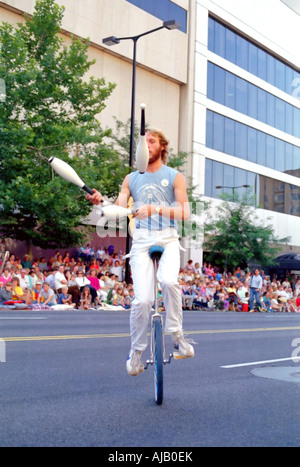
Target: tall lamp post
[110, 41]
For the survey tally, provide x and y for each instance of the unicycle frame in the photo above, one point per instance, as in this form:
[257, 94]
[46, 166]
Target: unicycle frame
[157, 342]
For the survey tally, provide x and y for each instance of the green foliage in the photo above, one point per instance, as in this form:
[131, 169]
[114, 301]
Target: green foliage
[51, 108]
[237, 237]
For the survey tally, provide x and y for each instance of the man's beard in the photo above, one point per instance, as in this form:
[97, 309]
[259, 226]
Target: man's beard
[154, 157]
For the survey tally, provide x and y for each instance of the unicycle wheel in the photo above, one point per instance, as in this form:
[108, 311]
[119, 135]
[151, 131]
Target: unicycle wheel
[158, 361]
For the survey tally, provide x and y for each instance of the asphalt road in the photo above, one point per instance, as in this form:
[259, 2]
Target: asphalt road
[64, 383]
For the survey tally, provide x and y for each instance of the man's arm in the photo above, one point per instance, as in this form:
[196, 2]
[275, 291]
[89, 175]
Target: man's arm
[123, 197]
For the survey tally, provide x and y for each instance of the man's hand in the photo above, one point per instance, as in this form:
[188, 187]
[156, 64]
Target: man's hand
[144, 212]
[96, 198]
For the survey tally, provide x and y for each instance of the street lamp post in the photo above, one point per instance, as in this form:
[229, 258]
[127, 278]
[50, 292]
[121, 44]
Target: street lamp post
[233, 188]
[110, 41]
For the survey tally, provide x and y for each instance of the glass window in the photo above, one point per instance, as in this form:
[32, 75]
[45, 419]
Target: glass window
[241, 104]
[211, 35]
[241, 140]
[296, 160]
[271, 78]
[280, 114]
[230, 46]
[220, 31]
[279, 155]
[261, 148]
[229, 137]
[236, 49]
[270, 109]
[280, 75]
[252, 99]
[270, 194]
[241, 58]
[210, 80]
[228, 179]
[289, 118]
[218, 133]
[289, 164]
[208, 177]
[219, 85]
[252, 145]
[253, 59]
[289, 76]
[261, 105]
[270, 152]
[164, 10]
[209, 129]
[236, 139]
[217, 177]
[262, 64]
[296, 131]
[230, 90]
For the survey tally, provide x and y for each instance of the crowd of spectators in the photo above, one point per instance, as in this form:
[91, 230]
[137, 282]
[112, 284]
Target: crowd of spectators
[89, 279]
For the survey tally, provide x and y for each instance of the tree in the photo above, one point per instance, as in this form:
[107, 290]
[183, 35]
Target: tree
[50, 108]
[237, 237]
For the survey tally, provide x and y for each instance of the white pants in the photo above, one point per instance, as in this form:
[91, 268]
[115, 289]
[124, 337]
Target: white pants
[143, 283]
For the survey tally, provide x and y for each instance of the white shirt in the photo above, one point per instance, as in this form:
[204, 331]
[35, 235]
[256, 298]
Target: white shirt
[82, 281]
[59, 277]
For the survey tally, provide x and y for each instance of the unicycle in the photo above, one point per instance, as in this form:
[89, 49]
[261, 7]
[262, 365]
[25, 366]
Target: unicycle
[157, 344]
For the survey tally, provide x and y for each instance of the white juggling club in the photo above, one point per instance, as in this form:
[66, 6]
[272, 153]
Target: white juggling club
[113, 211]
[142, 151]
[68, 173]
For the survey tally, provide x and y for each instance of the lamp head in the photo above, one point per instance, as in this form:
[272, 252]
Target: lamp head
[112, 40]
[172, 24]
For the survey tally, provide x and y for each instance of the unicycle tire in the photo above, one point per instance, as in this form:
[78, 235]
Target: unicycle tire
[158, 361]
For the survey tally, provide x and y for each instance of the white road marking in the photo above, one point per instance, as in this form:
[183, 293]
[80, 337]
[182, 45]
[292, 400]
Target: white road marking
[239, 365]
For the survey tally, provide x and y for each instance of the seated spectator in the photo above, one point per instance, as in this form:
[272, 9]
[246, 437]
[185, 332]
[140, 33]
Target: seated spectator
[118, 298]
[23, 277]
[83, 282]
[117, 270]
[65, 298]
[274, 303]
[85, 299]
[6, 276]
[17, 291]
[36, 291]
[26, 263]
[47, 295]
[129, 299]
[188, 296]
[6, 292]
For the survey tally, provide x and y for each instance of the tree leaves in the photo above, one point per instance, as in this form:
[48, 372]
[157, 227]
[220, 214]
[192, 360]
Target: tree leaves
[237, 237]
[50, 106]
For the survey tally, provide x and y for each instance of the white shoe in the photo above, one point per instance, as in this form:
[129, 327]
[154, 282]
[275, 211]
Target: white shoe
[182, 346]
[134, 364]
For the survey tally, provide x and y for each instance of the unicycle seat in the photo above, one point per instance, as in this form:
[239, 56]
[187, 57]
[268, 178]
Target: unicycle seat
[156, 252]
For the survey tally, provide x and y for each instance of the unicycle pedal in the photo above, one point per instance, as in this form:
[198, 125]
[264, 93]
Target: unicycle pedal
[177, 355]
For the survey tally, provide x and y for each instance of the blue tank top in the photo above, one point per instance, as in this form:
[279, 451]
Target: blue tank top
[154, 188]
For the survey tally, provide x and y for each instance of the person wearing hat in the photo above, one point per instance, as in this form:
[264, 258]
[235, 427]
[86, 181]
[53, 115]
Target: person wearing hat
[26, 263]
[36, 291]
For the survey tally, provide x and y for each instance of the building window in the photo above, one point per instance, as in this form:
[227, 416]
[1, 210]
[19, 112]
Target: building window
[236, 49]
[263, 192]
[234, 92]
[164, 10]
[236, 139]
